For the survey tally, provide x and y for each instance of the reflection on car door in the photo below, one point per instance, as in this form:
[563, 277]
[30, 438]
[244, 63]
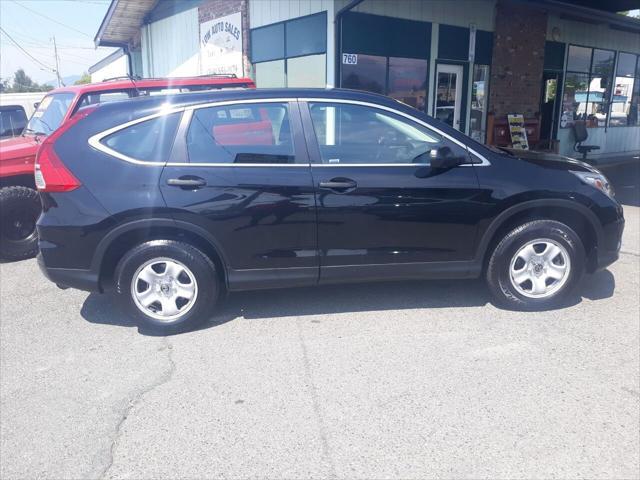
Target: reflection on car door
[241, 172]
[381, 208]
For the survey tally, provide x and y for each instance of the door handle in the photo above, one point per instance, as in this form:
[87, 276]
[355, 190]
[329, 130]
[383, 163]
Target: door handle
[338, 184]
[187, 182]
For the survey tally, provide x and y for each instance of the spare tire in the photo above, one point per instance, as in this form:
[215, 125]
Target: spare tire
[19, 210]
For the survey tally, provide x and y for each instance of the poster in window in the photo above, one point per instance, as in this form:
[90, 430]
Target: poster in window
[221, 46]
[518, 132]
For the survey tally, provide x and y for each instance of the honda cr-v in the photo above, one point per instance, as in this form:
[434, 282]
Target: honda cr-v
[173, 200]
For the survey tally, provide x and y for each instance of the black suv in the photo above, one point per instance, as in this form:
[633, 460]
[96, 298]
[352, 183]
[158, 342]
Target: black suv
[173, 200]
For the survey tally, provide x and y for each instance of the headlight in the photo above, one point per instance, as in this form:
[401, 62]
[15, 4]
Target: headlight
[596, 180]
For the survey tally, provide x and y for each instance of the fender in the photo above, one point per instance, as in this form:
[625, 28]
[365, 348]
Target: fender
[148, 223]
[520, 207]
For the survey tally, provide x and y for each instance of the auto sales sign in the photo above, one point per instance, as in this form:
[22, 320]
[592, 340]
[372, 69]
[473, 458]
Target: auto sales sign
[221, 46]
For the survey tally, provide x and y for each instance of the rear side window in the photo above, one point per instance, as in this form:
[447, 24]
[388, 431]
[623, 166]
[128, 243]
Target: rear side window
[242, 133]
[149, 141]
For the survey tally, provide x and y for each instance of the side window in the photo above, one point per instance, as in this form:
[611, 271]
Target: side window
[103, 97]
[149, 141]
[355, 134]
[241, 133]
[12, 122]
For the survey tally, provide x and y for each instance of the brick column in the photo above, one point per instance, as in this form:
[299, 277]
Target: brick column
[518, 60]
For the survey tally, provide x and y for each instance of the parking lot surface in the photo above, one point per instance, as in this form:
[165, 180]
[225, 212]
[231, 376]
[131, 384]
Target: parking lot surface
[414, 379]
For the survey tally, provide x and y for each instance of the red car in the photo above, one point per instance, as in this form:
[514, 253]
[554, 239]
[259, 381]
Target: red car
[19, 202]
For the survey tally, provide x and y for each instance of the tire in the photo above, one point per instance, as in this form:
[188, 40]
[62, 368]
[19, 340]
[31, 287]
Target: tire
[546, 278]
[183, 286]
[20, 208]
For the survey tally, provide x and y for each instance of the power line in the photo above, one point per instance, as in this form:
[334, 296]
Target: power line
[51, 19]
[25, 52]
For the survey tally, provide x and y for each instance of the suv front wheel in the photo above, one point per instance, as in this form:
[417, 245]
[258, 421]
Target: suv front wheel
[536, 265]
[167, 286]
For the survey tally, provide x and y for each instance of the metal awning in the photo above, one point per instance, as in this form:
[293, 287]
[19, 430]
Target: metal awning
[122, 22]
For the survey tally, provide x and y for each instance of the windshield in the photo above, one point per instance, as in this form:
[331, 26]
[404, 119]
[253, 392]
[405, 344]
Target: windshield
[50, 113]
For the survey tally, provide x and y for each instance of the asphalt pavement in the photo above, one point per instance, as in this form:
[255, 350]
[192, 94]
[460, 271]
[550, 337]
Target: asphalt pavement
[419, 379]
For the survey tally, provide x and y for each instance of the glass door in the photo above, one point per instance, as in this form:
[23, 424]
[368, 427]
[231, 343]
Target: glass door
[548, 106]
[449, 94]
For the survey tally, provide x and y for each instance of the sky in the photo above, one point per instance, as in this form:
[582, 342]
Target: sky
[33, 24]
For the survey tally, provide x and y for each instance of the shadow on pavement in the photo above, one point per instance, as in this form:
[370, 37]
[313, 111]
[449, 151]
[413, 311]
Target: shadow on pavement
[351, 298]
[626, 182]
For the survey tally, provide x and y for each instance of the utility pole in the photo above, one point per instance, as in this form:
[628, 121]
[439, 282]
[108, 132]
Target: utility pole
[55, 50]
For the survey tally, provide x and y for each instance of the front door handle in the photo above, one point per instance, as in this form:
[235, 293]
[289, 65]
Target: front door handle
[339, 184]
[187, 182]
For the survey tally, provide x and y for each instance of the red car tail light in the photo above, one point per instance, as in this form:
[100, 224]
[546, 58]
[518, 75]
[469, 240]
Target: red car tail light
[51, 175]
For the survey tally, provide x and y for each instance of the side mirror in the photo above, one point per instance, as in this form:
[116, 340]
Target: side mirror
[36, 105]
[444, 158]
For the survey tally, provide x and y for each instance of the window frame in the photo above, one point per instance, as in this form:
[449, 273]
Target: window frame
[184, 127]
[590, 75]
[305, 143]
[180, 157]
[636, 80]
[285, 55]
[314, 149]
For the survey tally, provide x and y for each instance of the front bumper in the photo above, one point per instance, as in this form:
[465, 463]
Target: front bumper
[71, 277]
[609, 250]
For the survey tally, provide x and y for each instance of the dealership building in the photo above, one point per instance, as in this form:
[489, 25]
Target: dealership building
[562, 65]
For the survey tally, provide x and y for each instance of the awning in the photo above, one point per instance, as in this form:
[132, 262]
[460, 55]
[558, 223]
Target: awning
[122, 22]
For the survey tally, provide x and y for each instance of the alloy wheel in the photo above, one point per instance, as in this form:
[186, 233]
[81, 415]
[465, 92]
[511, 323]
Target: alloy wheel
[164, 289]
[540, 268]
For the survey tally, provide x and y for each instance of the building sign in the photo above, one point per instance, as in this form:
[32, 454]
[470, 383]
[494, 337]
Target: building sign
[350, 58]
[221, 46]
[518, 132]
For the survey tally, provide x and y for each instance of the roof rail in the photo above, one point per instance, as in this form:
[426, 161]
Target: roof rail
[225, 75]
[122, 77]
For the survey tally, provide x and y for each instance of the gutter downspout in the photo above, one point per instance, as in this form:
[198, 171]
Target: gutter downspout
[338, 37]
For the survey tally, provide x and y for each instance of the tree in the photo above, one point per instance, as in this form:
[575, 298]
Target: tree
[23, 83]
[85, 78]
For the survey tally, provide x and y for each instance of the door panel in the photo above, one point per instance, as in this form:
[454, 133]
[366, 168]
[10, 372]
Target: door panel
[383, 204]
[257, 199]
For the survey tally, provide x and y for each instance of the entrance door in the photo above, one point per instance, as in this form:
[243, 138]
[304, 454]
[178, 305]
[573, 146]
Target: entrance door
[548, 105]
[449, 94]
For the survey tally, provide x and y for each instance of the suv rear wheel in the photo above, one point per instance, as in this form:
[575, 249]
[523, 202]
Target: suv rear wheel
[167, 286]
[19, 211]
[536, 265]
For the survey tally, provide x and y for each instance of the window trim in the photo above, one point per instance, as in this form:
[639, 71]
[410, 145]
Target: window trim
[484, 162]
[590, 74]
[284, 24]
[95, 140]
[635, 77]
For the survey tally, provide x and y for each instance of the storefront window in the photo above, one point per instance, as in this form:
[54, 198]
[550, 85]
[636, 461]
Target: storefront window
[479, 93]
[291, 53]
[368, 73]
[587, 89]
[623, 92]
[404, 79]
[408, 81]
[271, 74]
[308, 71]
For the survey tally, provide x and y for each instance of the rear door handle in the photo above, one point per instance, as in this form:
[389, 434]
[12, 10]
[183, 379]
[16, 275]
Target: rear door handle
[338, 184]
[187, 182]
